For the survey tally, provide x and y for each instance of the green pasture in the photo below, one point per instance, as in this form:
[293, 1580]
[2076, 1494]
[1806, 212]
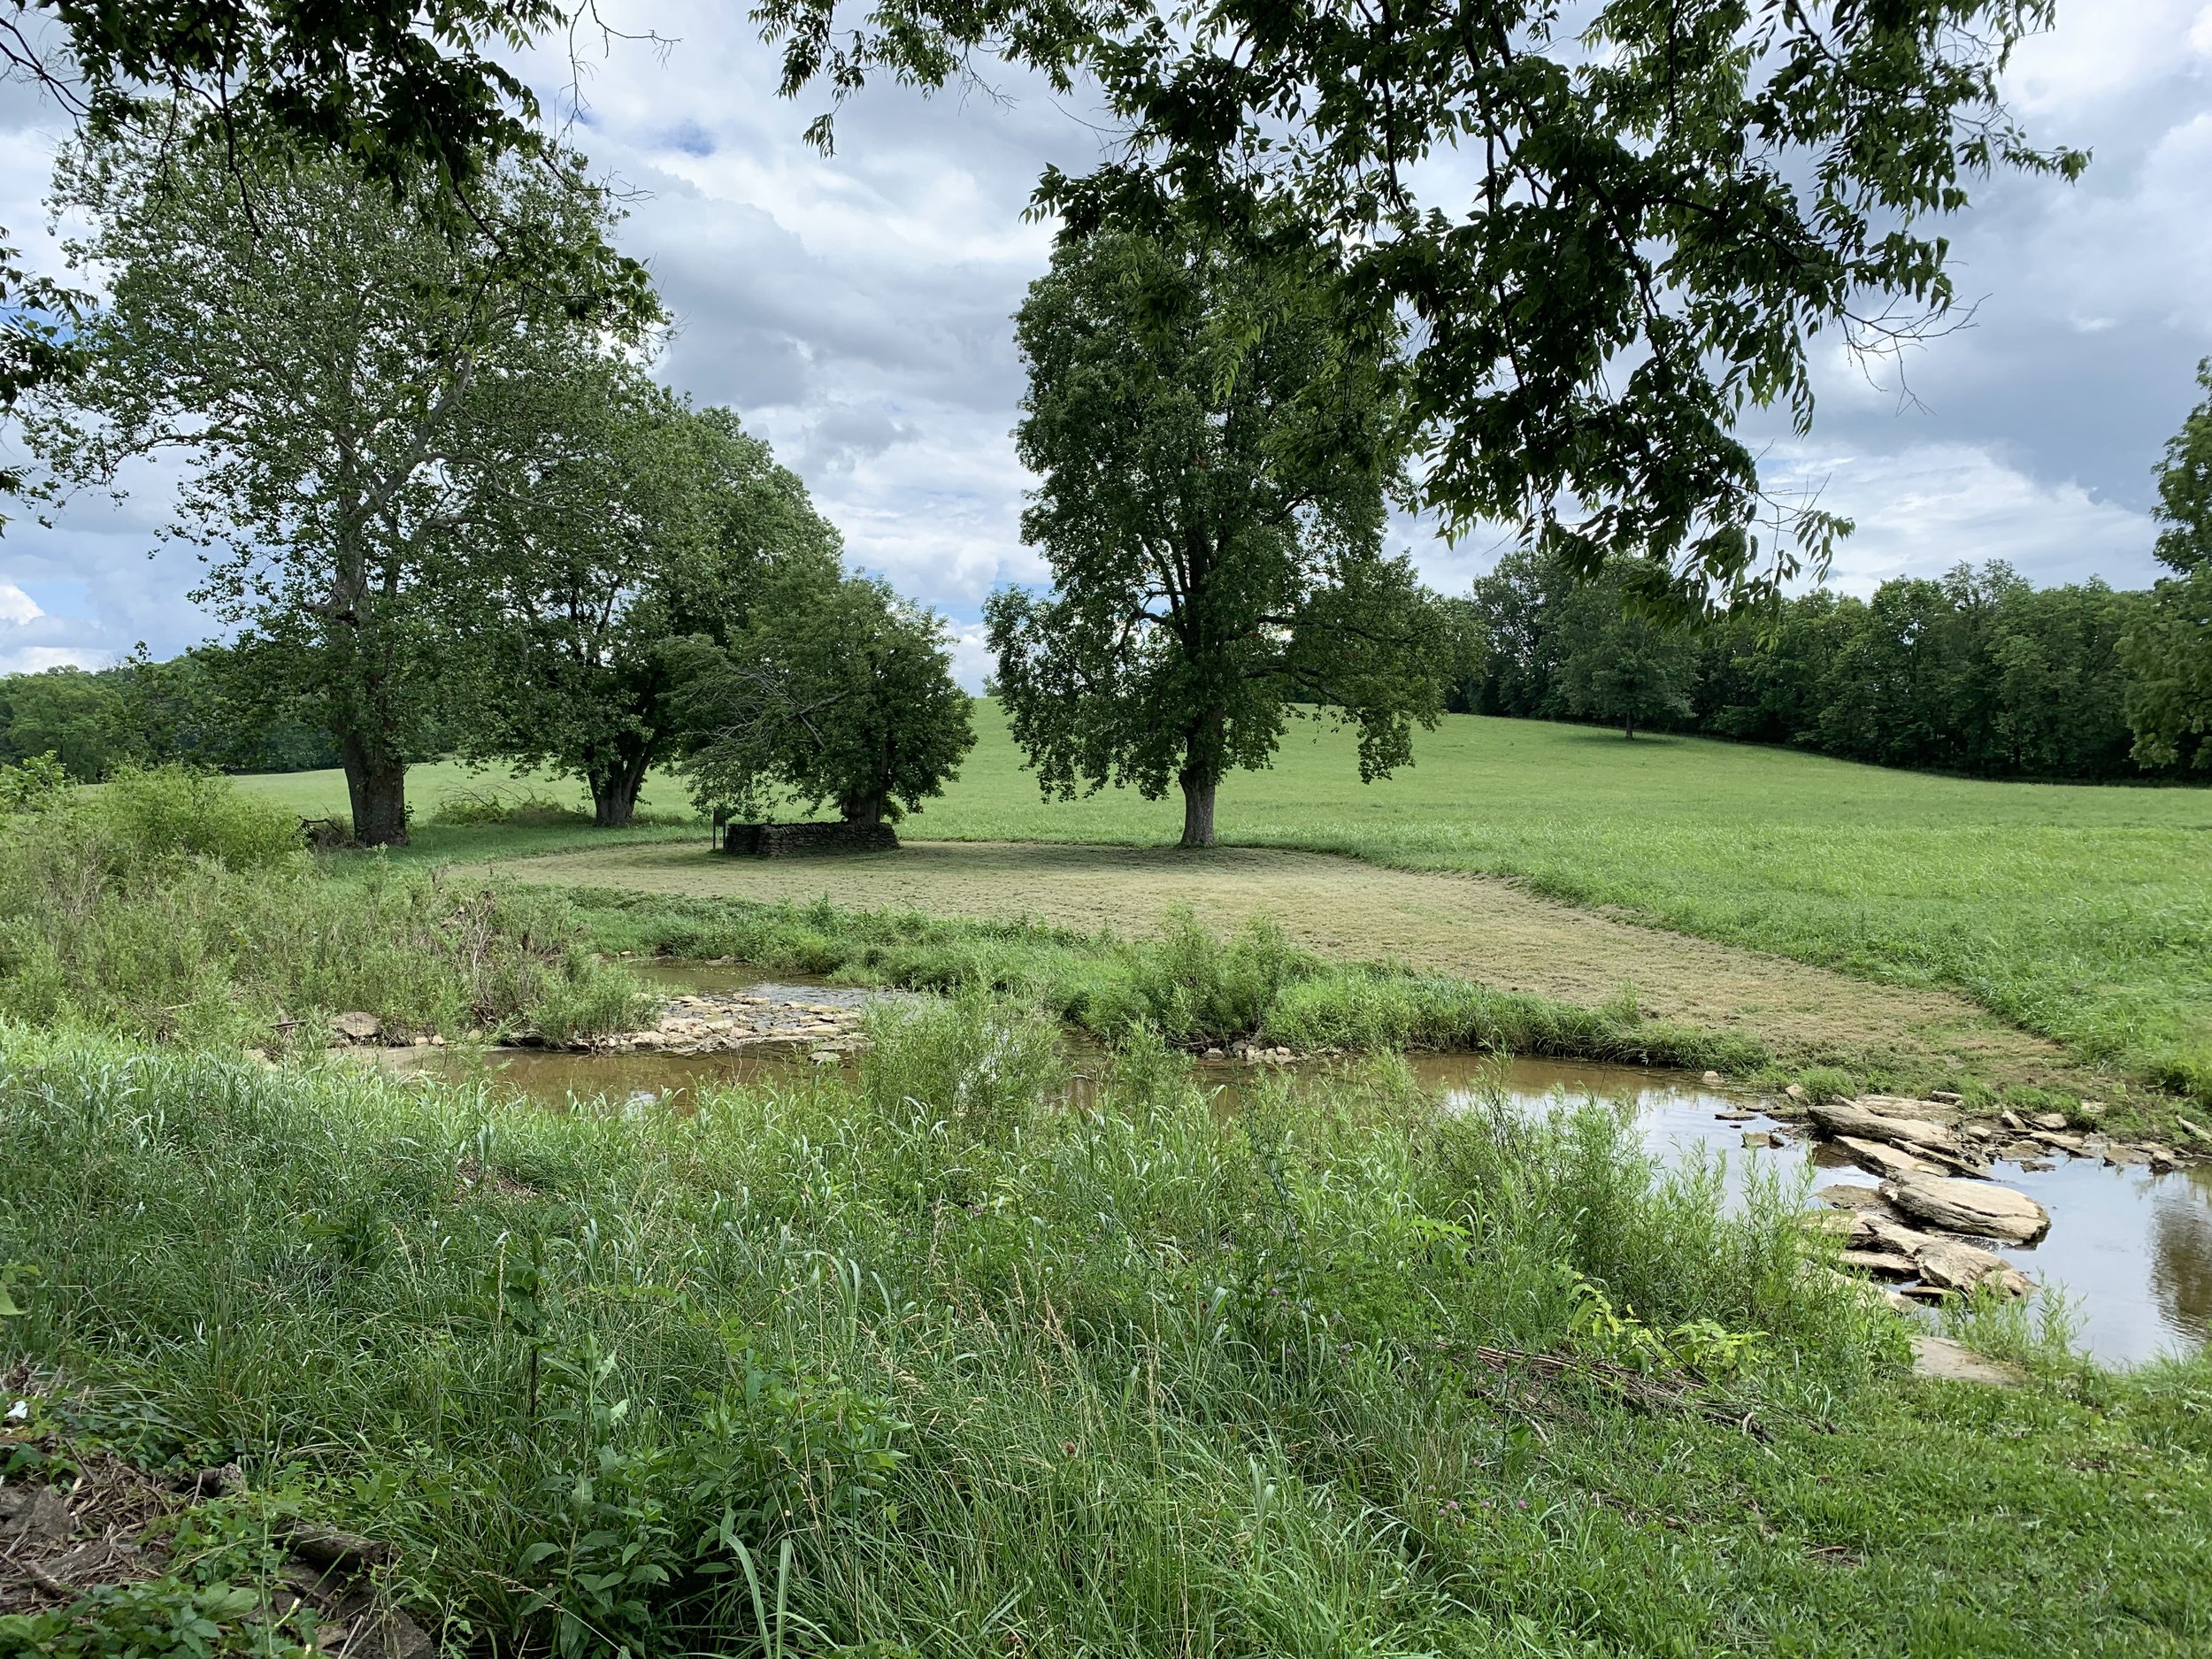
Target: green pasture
[2080, 911]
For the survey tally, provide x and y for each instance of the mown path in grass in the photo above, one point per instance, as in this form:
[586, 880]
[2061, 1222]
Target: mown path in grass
[1486, 929]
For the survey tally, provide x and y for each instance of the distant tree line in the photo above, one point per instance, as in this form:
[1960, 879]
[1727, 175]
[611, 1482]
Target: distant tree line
[149, 712]
[1976, 671]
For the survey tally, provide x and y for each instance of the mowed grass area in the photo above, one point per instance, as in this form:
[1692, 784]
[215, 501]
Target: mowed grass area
[2081, 912]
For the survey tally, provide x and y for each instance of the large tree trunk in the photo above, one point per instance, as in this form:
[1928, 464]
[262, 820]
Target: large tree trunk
[862, 808]
[614, 792]
[1198, 808]
[377, 785]
[1628, 726]
[613, 804]
[1202, 747]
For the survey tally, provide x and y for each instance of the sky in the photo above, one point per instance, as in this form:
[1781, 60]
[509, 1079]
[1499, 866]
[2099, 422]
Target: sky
[856, 311]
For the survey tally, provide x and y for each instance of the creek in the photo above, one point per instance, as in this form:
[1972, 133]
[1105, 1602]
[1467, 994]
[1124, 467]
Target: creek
[2131, 1250]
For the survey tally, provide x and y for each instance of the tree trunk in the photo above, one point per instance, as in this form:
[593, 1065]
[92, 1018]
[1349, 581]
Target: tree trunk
[862, 808]
[377, 787]
[1202, 747]
[1198, 809]
[614, 793]
[613, 802]
[1628, 726]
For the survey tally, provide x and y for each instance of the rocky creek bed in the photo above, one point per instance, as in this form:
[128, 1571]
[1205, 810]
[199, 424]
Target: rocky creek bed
[1935, 1200]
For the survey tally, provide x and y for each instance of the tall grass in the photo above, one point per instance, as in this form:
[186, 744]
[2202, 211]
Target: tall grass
[922, 1362]
[1141, 1378]
[168, 906]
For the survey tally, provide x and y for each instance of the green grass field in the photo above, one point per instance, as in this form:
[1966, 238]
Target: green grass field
[2081, 912]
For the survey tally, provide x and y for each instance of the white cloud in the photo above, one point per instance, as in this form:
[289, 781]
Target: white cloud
[1929, 507]
[16, 606]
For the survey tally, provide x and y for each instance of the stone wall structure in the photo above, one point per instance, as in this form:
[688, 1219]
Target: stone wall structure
[802, 841]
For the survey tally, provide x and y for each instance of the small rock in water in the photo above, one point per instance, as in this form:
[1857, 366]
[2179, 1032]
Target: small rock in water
[1735, 1117]
[2022, 1151]
[1213, 1054]
[1796, 1092]
[357, 1027]
[1757, 1138]
[2125, 1156]
[1711, 1078]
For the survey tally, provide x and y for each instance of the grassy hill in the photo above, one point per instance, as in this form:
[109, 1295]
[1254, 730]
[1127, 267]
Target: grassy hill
[2080, 911]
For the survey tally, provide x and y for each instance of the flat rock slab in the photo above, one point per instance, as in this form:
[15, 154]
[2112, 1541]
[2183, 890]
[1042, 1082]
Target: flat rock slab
[1885, 1159]
[1845, 1195]
[1949, 1264]
[1979, 1208]
[1939, 1357]
[1852, 1118]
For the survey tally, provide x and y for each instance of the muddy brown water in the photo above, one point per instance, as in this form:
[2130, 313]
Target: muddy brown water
[2132, 1251]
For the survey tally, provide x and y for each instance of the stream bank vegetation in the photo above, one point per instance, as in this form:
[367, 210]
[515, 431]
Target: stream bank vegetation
[921, 1360]
[168, 906]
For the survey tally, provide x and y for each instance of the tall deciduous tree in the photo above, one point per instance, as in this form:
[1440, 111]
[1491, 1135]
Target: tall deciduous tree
[2169, 653]
[621, 520]
[1215, 444]
[840, 695]
[1616, 232]
[311, 346]
[1618, 661]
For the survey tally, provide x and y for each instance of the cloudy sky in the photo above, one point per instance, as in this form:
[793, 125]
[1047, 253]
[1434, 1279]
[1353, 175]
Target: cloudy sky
[854, 310]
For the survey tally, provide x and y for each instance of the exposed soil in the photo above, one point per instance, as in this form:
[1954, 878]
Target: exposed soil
[1482, 927]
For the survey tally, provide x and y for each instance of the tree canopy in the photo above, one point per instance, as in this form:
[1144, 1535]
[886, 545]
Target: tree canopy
[1618, 662]
[2169, 651]
[838, 694]
[1215, 439]
[1975, 672]
[1614, 239]
[319, 353]
[618, 521]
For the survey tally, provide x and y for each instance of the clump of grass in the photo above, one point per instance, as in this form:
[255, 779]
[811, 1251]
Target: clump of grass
[478, 809]
[924, 1362]
[167, 905]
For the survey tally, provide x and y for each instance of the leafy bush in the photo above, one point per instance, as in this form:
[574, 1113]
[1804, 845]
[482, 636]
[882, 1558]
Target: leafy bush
[33, 784]
[154, 812]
